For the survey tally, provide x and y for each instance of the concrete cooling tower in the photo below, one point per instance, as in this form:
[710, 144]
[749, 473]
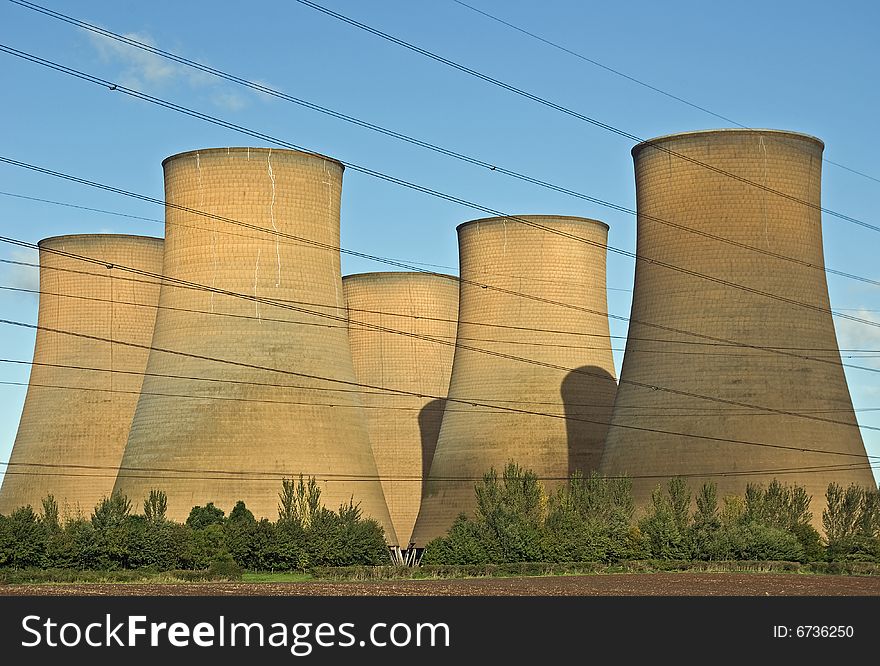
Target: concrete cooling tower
[532, 336]
[765, 361]
[256, 395]
[75, 421]
[403, 428]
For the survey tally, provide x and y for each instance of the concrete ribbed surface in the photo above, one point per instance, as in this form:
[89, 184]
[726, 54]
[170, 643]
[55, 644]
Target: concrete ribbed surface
[685, 193]
[236, 437]
[75, 422]
[402, 329]
[570, 376]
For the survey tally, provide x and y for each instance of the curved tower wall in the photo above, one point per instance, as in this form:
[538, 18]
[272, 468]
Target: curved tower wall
[75, 422]
[510, 256]
[674, 189]
[403, 428]
[236, 437]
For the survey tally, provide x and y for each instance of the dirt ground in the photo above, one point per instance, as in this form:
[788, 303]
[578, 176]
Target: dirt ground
[669, 584]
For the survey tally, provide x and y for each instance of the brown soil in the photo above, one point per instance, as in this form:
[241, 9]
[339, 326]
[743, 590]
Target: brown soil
[662, 584]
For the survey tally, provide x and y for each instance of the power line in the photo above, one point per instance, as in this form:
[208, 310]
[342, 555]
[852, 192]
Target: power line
[575, 114]
[623, 75]
[832, 353]
[460, 401]
[404, 183]
[527, 222]
[91, 210]
[497, 354]
[832, 350]
[263, 475]
[602, 376]
[706, 411]
[324, 245]
[230, 233]
[558, 46]
[424, 144]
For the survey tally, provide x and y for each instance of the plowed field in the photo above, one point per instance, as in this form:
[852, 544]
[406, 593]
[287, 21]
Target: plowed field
[671, 584]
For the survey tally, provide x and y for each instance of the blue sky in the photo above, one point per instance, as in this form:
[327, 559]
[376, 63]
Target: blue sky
[804, 66]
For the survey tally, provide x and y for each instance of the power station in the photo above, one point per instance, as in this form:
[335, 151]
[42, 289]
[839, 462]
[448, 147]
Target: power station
[402, 331]
[83, 388]
[732, 372]
[233, 354]
[250, 347]
[533, 377]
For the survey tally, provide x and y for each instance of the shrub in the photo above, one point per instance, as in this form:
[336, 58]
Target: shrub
[666, 524]
[201, 517]
[852, 523]
[155, 506]
[465, 543]
[22, 539]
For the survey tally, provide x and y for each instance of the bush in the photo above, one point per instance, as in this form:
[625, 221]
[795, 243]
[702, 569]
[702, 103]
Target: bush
[155, 506]
[344, 538]
[23, 540]
[201, 517]
[852, 523]
[667, 523]
[224, 566]
[465, 543]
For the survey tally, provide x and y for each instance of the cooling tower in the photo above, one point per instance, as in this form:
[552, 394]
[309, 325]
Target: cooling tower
[75, 422]
[390, 317]
[256, 397]
[673, 367]
[532, 337]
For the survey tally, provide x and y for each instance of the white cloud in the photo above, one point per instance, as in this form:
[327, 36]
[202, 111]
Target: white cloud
[139, 68]
[229, 100]
[266, 97]
[148, 72]
[20, 276]
[854, 335]
[857, 334]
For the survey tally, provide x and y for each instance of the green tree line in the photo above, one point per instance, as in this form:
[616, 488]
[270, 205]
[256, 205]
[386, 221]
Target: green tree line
[589, 519]
[594, 519]
[306, 534]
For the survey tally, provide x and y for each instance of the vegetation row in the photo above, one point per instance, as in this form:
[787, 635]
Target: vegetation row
[588, 520]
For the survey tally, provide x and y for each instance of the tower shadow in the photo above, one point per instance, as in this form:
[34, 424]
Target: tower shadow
[430, 418]
[588, 398]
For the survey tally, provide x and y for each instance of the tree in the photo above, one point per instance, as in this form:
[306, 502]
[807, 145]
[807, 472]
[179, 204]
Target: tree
[667, 522]
[345, 538]
[201, 517]
[50, 513]
[706, 526]
[511, 512]
[155, 506]
[300, 502]
[111, 511]
[240, 514]
[785, 509]
[852, 522]
[590, 519]
[22, 539]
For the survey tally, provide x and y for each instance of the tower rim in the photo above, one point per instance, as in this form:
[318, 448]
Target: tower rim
[63, 237]
[377, 274]
[247, 149]
[586, 221]
[666, 138]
